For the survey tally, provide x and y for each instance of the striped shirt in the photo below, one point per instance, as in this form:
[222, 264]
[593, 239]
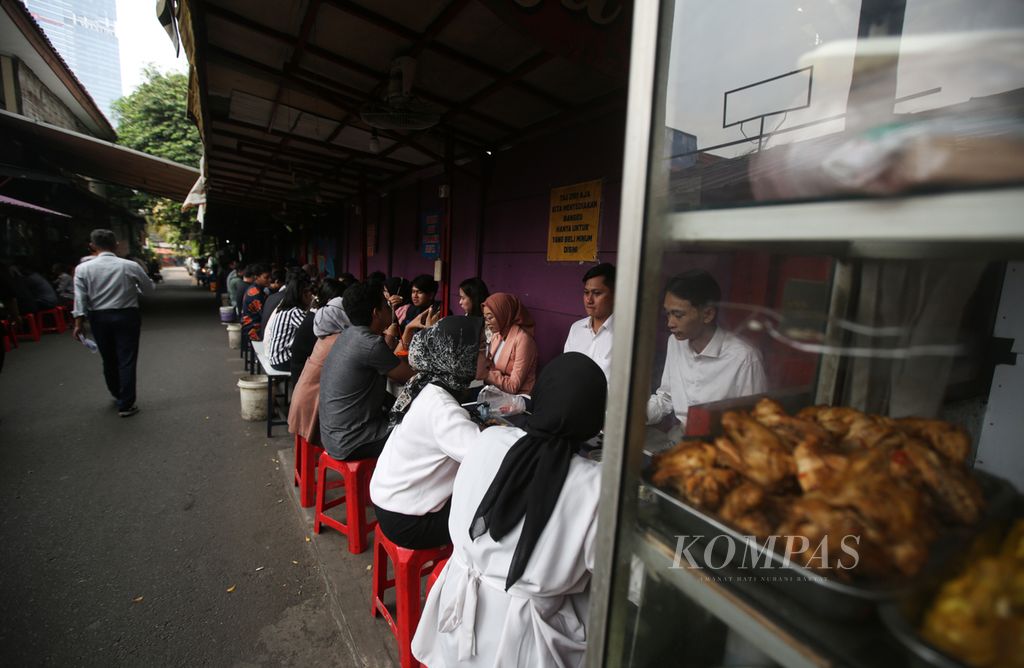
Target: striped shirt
[280, 333]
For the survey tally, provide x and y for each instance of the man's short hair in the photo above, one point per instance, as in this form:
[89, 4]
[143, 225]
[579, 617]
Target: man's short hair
[105, 239]
[360, 300]
[695, 286]
[425, 283]
[257, 270]
[607, 273]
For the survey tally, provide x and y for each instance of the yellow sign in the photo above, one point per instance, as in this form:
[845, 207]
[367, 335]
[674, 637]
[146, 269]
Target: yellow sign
[572, 222]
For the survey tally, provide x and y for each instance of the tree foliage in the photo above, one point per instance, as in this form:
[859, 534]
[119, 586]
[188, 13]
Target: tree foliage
[154, 119]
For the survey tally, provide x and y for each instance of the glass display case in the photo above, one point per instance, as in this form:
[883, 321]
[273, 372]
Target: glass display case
[799, 454]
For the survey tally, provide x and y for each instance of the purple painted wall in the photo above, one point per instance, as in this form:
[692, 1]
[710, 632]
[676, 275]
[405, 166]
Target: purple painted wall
[514, 219]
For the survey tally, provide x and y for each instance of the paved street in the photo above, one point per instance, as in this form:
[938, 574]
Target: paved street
[167, 538]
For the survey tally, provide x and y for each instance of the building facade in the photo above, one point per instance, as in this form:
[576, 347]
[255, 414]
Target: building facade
[83, 33]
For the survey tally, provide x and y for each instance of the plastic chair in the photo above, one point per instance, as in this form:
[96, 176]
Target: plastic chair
[9, 335]
[410, 566]
[57, 315]
[356, 481]
[306, 457]
[434, 574]
[32, 324]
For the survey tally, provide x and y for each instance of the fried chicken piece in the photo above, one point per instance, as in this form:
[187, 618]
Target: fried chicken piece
[791, 431]
[851, 426]
[741, 508]
[951, 486]
[893, 512]
[872, 431]
[689, 469]
[949, 440]
[754, 450]
[817, 463]
[825, 538]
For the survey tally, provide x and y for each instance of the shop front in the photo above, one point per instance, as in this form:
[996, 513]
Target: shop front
[849, 174]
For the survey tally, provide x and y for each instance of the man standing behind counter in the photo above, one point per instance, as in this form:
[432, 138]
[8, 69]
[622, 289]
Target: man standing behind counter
[592, 335]
[107, 291]
[704, 363]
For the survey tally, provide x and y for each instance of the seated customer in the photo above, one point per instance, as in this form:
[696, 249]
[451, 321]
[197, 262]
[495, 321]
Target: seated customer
[523, 523]
[275, 293]
[63, 284]
[306, 336]
[513, 352]
[252, 302]
[304, 412]
[354, 402]
[592, 335]
[421, 299]
[285, 320]
[472, 293]
[703, 362]
[412, 483]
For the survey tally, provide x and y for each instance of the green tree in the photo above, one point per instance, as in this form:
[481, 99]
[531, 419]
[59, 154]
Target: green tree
[154, 119]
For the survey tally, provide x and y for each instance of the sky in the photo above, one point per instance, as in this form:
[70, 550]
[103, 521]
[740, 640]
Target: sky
[142, 41]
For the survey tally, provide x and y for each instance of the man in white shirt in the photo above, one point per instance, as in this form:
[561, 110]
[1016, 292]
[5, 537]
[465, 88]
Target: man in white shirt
[107, 290]
[704, 363]
[592, 335]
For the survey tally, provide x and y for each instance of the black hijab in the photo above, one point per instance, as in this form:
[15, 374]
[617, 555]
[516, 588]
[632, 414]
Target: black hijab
[444, 355]
[568, 408]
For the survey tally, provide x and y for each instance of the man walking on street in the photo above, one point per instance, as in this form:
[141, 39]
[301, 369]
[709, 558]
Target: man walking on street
[107, 291]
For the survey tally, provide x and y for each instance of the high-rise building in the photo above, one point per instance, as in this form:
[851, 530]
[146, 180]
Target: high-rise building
[83, 33]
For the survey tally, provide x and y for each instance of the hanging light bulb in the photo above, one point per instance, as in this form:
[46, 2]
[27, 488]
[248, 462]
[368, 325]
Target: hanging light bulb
[374, 143]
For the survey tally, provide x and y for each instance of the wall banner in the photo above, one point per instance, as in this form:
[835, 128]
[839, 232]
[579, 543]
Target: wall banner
[573, 221]
[430, 235]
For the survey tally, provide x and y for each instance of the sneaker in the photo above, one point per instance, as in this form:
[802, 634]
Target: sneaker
[128, 412]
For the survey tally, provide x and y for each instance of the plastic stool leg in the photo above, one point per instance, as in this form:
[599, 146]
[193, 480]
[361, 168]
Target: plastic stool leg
[321, 492]
[408, 597]
[379, 577]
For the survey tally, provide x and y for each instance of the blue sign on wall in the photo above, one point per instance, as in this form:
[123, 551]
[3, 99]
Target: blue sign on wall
[430, 235]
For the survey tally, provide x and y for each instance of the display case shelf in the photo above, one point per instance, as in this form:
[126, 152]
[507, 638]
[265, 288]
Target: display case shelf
[904, 227]
[778, 626]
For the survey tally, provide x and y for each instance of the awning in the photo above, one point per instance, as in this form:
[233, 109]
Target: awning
[10, 201]
[101, 160]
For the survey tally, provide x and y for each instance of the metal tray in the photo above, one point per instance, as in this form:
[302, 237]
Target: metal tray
[829, 598]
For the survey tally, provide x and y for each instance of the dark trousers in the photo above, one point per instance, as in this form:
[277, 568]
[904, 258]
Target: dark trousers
[117, 336]
[369, 450]
[416, 532]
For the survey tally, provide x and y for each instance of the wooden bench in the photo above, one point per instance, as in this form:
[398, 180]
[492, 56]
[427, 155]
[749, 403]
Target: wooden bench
[272, 374]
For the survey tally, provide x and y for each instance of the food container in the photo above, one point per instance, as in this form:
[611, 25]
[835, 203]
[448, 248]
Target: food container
[825, 596]
[902, 616]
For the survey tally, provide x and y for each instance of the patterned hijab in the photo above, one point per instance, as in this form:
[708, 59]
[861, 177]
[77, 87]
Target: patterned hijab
[444, 355]
[568, 409]
[508, 311]
[330, 319]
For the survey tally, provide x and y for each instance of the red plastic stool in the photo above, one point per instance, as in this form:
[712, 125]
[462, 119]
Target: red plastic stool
[57, 314]
[306, 457]
[434, 574]
[356, 481]
[33, 327]
[410, 566]
[9, 335]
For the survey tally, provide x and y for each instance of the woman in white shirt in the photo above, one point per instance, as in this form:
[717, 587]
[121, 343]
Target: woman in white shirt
[412, 483]
[285, 321]
[523, 521]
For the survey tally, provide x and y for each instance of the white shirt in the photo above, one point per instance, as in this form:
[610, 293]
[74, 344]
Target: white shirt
[469, 619]
[727, 367]
[109, 282]
[597, 347]
[416, 470]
